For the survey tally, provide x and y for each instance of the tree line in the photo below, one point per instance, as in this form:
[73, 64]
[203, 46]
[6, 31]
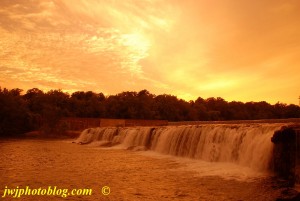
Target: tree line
[23, 112]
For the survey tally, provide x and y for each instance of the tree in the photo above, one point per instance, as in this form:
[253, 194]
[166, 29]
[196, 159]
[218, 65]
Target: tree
[38, 110]
[14, 115]
[292, 111]
[166, 107]
[88, 104]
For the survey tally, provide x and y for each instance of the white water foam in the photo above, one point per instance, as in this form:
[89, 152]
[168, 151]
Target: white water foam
[220, 148]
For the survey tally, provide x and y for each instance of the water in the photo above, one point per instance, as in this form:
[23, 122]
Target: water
[244, 145]
[130, 175]
[175, 168]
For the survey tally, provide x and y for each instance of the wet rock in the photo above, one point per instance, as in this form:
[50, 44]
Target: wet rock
[284, 135]
[289, 194]
[284, 155]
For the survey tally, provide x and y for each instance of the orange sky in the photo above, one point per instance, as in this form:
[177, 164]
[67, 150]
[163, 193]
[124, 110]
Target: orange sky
[238, 50]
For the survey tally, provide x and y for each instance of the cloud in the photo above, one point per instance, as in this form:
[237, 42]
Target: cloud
[87, 57]
[237, 50]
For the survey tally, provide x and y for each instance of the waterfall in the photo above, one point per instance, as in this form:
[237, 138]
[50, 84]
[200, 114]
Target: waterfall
[97, 134]
[243, 144]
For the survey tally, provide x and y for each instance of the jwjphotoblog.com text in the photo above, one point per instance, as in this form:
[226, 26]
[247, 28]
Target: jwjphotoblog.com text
[49, 191]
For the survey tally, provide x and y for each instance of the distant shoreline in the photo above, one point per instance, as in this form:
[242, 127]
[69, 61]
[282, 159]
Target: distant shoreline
[289, 120]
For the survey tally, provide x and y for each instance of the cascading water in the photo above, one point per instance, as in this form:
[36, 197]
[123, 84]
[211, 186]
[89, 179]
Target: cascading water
[97, 134]
[245, 145]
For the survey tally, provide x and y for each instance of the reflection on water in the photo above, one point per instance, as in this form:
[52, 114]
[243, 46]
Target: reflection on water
[130, 176]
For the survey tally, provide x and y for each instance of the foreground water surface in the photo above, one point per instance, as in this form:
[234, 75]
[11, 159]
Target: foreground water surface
[130, 175]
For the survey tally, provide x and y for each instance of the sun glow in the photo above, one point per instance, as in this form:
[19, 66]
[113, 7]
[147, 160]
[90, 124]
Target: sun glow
[136, 41]
[137, 46]
[184, 48]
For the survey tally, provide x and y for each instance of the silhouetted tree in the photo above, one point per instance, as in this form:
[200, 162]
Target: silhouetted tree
[87, 104]
[14, 115]
[279, 110]
[145, 101]
[292, 111]
[166, 107]
[201, 110]
[36, 109]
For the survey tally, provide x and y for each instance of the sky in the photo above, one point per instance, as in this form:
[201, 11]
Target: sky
[238, 50]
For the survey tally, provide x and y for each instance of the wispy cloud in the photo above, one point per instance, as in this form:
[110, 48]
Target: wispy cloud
[237, 50]
[50, 47]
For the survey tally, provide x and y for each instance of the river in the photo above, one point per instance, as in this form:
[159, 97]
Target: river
[130, 175]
